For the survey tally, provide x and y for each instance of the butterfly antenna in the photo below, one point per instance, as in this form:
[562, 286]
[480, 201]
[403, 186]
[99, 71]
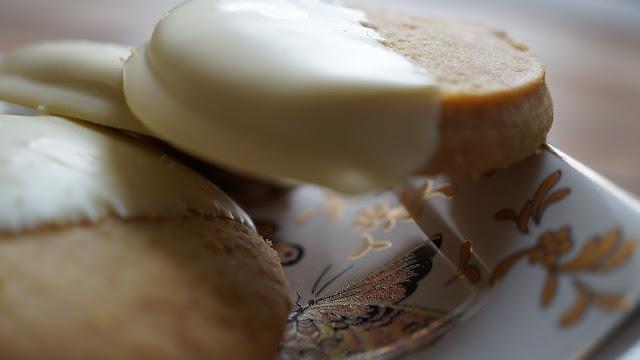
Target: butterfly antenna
[322, 274]
[334, 279]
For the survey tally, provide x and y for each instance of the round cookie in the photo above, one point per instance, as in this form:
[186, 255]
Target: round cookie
[111, 250]
[76, 79]
[495, 108]
[495, 105]
[285, 89]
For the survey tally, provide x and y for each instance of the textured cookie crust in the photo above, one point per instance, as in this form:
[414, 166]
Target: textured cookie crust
[496, 108]
[193, 288]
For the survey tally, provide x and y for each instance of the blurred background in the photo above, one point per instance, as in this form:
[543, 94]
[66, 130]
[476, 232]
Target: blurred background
[591, 49]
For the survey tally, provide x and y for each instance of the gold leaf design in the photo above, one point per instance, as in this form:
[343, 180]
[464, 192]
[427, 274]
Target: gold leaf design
[535, 207]
[585, 298]
[370, 218]
[611, 302]
[505, 265]
[544, 188]
[549, 289]
[593, 253]
[471, 272]
[369, 244]
[445, 190]
[597, 256]
[413, 199]
[621, 256]
[550, 246]
[552, 199]
[521, 219]
[465, 252]
[601, 254]
[579, 307]
[395, 214]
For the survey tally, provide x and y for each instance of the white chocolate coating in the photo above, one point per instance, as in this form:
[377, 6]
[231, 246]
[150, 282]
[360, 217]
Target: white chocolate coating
[77, 79]
[298, 89]
[55, 171]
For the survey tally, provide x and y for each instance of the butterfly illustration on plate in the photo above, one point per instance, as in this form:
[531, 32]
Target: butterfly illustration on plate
[364, 317]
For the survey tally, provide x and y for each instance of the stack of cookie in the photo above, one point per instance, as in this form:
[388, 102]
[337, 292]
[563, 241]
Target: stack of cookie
[112, 249]
[109, 249]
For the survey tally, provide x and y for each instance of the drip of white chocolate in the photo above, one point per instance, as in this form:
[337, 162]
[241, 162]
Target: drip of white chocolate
[297, 89]
[55, 171]
[77, 79]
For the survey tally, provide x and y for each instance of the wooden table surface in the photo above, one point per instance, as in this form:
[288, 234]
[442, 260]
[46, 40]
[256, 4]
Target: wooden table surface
[591, 49]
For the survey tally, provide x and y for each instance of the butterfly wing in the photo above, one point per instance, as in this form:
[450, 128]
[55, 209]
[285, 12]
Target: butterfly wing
[364, 315]
[393, 283]
[344, 330]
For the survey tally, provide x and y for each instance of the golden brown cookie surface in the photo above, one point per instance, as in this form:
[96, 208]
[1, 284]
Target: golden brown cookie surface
[495, 107]
[141, 289]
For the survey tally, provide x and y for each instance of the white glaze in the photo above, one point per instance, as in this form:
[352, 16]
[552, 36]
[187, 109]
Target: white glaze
[56, 171]
[285, 88]
[77, 79]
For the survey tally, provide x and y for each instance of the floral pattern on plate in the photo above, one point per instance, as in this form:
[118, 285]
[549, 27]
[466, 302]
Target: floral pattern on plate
[535, 261]
[558, 242]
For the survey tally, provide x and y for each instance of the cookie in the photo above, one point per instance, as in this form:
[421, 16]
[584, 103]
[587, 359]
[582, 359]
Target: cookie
[72, 78]
[284, 89]
[495, 105]
[109, 249]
